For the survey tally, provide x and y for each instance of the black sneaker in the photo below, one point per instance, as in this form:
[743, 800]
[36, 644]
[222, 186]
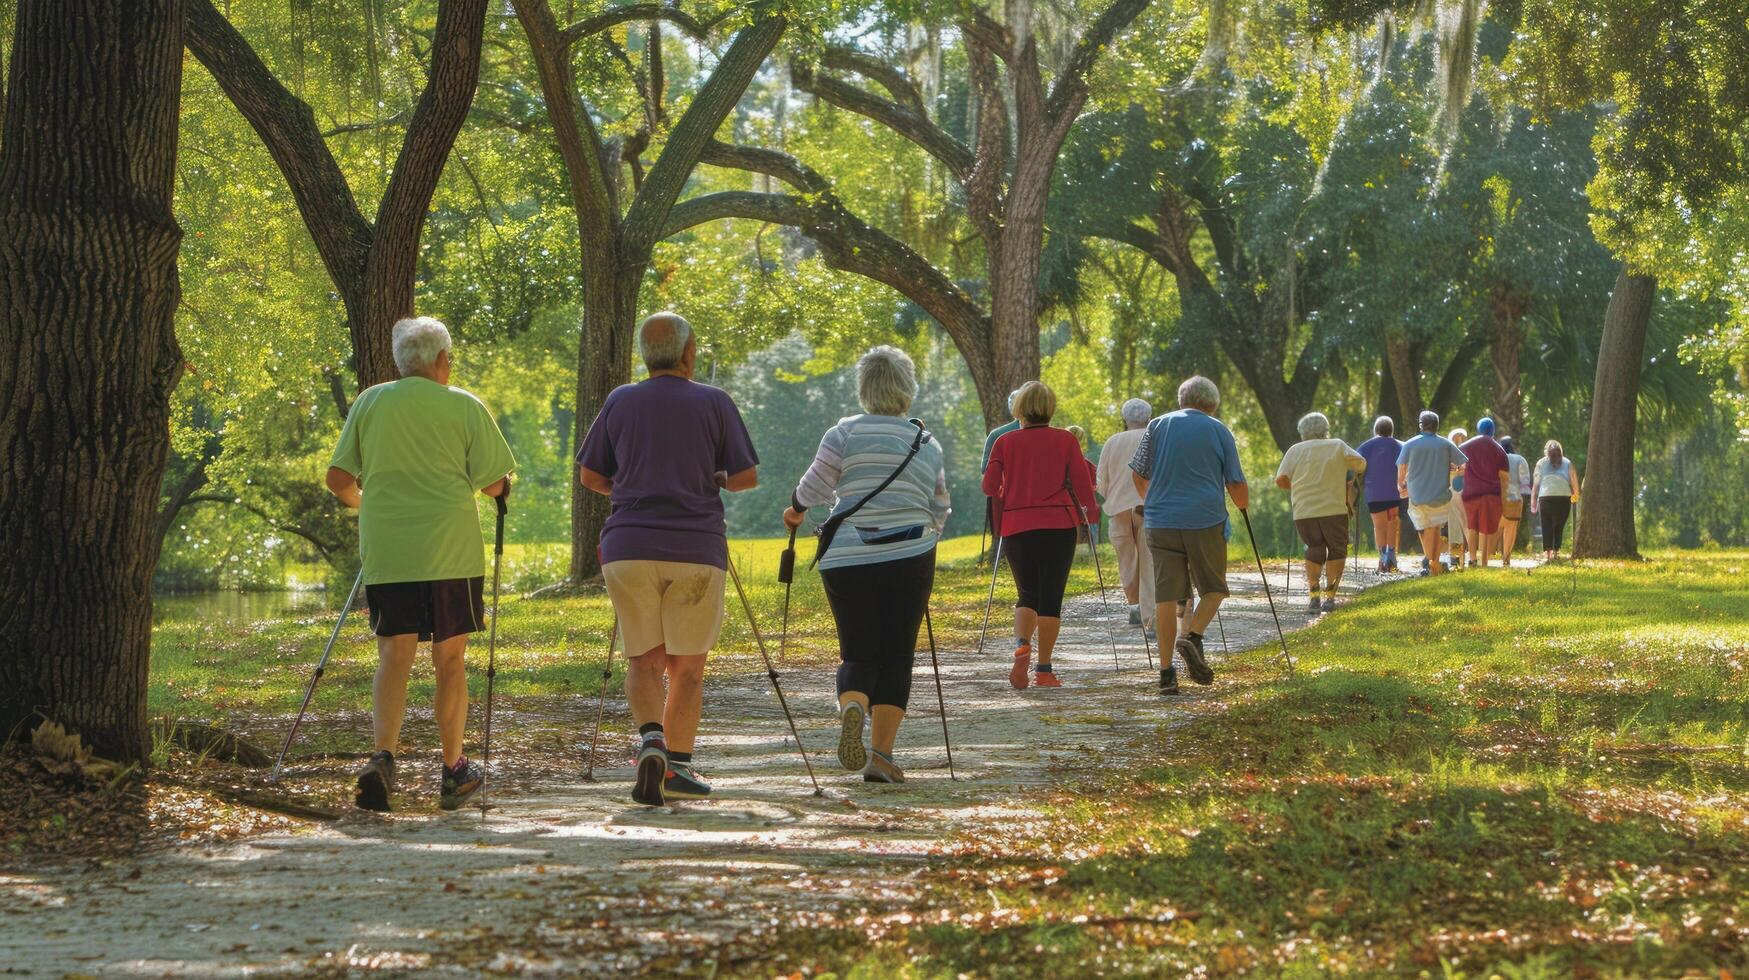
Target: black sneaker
[375, 783]
[1135, 616]
[652, 772]
[684, 783]
[1189, 646]
[461, 783]
[1312, 605]
[1169, 681]
[1329, 604]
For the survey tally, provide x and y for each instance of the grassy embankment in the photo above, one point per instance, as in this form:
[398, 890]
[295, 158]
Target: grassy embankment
[1493, 773]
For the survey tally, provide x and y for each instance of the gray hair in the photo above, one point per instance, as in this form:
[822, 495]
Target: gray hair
[1199, 393]
[416, 342]
[1314, 426]
[662, 340]
[1011, 397]
[1383, 426]
[1429, 421]
[886, 381]
[1136, 411]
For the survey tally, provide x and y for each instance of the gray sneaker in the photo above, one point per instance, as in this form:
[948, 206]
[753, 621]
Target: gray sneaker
[851, 754]
[1312, 605]
[684, 783]
[882, 769]
[376, 783]
[1329, 604]
[1135, 616]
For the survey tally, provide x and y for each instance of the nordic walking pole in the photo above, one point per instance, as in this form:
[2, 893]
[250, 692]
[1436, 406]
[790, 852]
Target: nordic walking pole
[771, 672]
[985, 530]
[1278, 631]
[1223, 625]
[786, 573]
[492, 637]
[601, 700]
[1098, 569]
[321, 665]
[995, 566]
[940, 700]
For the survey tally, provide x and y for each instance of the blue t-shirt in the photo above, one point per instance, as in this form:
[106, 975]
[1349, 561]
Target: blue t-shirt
[1430, 457]
[1188, 458]
[990, 442]
[1380, 453]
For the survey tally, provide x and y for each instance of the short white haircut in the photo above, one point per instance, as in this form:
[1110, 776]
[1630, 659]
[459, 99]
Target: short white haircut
[886, 381]
[417, 341]
[1136, 411]
[1199, 393]
[1314, 426]
[1011, 397]
[662, 340]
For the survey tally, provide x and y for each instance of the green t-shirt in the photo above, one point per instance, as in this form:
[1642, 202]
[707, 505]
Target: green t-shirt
[421, 451]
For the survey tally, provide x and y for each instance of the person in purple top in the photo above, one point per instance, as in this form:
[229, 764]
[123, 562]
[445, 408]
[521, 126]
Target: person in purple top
[1382, 498]
[663, 450]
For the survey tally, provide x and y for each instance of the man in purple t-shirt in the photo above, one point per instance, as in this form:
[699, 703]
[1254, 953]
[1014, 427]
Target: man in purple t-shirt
[1485, 479]
[1382, 498]
[662, 449]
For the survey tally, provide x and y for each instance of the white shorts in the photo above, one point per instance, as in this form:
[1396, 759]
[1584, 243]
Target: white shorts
[1428, 516]
[666, 603]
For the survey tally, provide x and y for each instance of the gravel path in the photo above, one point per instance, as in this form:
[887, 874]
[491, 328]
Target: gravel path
[569, 876]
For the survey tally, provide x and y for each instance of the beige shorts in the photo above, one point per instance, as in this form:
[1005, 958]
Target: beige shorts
[1439, 515]
[666, 603]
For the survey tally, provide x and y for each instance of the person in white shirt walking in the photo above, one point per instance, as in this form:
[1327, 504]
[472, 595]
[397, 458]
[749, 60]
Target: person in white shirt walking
[1315, 471]
[1135, 569]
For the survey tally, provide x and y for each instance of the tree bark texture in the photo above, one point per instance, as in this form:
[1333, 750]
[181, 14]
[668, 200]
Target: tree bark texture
[88, 358]
[372, 266]
[616, 248]
[1506, 348]
[1606, 519]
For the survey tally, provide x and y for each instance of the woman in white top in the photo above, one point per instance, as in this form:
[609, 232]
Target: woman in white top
[1553, 492]
[1517, 488]
[880, 567]
[1315, 472]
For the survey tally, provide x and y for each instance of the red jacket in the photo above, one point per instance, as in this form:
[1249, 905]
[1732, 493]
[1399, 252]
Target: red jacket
[1028, 472]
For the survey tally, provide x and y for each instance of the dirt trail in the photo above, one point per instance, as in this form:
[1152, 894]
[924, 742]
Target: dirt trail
[570, 876]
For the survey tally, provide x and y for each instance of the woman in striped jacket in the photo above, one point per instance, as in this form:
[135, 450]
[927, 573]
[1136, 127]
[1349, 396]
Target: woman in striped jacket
[880, 566]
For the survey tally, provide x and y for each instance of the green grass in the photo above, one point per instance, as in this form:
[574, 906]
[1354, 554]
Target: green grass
[1486, 774]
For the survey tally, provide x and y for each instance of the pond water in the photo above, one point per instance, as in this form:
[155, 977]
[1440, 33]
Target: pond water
[225, 608]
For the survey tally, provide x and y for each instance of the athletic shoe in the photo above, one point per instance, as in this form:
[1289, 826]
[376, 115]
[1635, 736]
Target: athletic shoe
[1384, 565]
[684, 783]
[1169, 680]
[652, 772]
[461, 783]
[376, 781]
[1312, 605]
[1046, 678]
[1135, 616]
[882, 769]
[1022, 666]
[851, 754]
[1425, 571]
[1330, 604]
[1190, 648]
[1152, 636]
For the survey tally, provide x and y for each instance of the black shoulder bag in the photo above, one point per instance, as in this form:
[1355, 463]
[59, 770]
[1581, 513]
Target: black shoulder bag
[829, 528]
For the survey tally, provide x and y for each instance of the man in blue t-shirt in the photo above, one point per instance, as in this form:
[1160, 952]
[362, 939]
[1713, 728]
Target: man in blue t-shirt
[1424, 476]
[1185, 467]
[1382, 498]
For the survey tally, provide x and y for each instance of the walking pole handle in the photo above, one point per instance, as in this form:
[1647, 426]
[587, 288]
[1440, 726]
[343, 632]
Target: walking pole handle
[786, 565]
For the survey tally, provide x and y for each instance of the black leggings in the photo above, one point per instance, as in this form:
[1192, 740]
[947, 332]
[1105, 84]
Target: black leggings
[878, 609]
[1554, 512]
[1040, 561]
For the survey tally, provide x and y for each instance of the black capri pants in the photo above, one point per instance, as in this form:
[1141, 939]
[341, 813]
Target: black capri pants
[1040, 561]
[1554, 512]
[878, 608]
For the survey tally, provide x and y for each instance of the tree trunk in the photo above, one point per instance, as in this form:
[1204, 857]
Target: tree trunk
[1389, 404]
[88, 358]
[1505, 349]
[604, 364]
[1606, 524]
[1406, 377]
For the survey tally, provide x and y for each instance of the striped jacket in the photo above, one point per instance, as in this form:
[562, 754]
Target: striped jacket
[855, 456]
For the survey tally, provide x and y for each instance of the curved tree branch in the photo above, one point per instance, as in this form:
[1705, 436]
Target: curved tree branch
[844, 58]
[1071, 83]
[905, 120]
[325, 547]
[772, 163]
[607, 20]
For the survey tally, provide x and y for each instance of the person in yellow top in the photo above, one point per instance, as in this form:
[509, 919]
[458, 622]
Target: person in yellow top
[1315, 471]
[422, 449]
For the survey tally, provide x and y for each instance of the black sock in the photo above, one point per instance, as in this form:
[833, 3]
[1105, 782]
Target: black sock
[680, 757]
[1044, 669]
[1193, 636]
[650, 726]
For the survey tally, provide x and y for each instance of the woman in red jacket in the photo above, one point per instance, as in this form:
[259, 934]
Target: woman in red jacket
[1041, 484]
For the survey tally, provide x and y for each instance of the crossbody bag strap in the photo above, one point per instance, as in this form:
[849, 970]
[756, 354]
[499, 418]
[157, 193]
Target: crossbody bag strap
[828, 530]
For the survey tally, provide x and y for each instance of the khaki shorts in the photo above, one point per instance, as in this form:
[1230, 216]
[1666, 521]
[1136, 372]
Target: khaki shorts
[666, 603]
[1427, 516]
[1183, 558]
[1326, 538]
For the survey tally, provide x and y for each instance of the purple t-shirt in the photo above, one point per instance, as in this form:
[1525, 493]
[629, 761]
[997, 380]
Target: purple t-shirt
[1380, 453]
[662, 441]
[1482, 472]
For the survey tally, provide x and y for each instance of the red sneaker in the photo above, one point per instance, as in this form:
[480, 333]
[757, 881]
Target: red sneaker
[1045, 678]
[1022, 666]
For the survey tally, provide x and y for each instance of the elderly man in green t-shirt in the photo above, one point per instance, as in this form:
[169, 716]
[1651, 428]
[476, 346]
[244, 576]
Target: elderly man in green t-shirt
[422, 449]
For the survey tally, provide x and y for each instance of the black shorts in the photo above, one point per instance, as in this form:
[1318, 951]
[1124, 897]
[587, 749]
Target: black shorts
[435, 610]
[1380, 506]
[1040, 560]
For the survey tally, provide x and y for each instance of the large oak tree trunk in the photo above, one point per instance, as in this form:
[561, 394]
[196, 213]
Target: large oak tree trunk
[1606, 522]
[88, 357]
[605, 364]
[1506, 348]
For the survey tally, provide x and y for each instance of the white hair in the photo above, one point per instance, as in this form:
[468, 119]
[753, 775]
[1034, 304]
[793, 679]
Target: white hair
[1314, 426]
[662, 340]
[1199, 393]
[1136, 411]
[886, 381]
[417, 341]
[1011, 397]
